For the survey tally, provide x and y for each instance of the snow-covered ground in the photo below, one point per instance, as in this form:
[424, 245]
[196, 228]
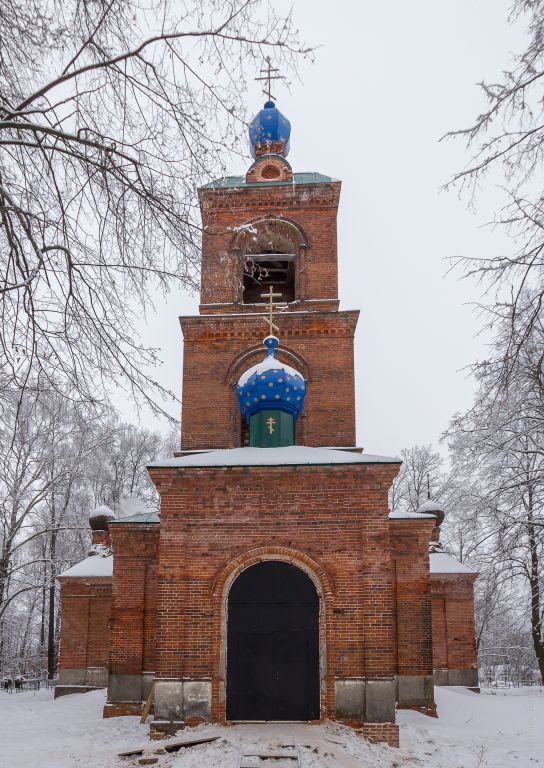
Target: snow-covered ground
[503, 729]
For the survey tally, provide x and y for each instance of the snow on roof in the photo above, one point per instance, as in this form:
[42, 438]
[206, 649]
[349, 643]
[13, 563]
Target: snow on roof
[91, 566]
[140, 517]
[308, 177]
[273, 457]
[430, 506]
[410, 516]
[441, 562]
[102, 511]
[269, 363]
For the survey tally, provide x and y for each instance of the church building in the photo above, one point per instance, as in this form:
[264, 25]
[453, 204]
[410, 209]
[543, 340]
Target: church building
[275, 584]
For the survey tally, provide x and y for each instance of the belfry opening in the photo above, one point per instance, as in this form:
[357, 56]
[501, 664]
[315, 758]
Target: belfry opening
[211, 613]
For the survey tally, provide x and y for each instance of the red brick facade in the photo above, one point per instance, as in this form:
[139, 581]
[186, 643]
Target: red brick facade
[219, 349]
[84, 638]
[334, 523]
[382, 618]
[454, 633]
[225, 339]
[414, 633]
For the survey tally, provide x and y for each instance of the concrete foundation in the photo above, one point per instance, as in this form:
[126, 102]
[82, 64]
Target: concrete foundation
[97, 677]
[415, 690]
[147, 681]
[197, 700]
[369, 701]
[73, 676]
[465, 677]
[380, 701]
[350, 699]
[88, 678]
[183, 700]
[125, 688]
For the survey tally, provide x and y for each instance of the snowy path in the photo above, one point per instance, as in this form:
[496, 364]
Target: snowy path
[505, 730]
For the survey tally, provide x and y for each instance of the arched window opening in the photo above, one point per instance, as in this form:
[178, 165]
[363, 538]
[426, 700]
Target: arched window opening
[269, 269]
[269, 251]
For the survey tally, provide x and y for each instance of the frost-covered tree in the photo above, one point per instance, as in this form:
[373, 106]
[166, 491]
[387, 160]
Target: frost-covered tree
[497, 457]
[45, 441]
[111, 112]
[60, 459]
[117, 470]
[420, 475]
[506, 147]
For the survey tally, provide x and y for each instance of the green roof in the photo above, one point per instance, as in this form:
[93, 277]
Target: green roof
[231, 182]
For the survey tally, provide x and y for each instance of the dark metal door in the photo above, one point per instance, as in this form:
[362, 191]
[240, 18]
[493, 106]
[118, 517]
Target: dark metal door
[273, 645]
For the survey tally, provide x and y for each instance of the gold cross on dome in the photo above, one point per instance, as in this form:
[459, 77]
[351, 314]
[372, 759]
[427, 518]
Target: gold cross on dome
[268, 74]
[271, 423]
[271, 306]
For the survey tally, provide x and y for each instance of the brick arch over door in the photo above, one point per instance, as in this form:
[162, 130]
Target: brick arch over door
[245, 360]
[220, 591]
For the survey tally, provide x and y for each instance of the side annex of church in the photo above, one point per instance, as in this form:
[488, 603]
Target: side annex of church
[275, 584]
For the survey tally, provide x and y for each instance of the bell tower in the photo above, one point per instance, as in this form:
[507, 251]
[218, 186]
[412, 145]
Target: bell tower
[271, 230]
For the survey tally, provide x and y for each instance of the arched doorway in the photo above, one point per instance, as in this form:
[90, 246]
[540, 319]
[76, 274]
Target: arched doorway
[273, 644]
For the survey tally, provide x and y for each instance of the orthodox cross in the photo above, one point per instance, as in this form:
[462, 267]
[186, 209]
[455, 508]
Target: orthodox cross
[271, 307]
[271, 423]
[268, 74]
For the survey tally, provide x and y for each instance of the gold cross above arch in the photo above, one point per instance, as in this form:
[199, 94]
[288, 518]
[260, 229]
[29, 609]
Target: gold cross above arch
[272, 305]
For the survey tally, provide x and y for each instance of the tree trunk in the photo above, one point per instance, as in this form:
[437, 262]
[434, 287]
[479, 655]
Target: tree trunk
[28, 625]
[534, 583]
[42, 618]
[51, 666]
[51, 634]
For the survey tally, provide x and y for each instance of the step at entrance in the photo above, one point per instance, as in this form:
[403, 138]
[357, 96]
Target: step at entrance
[280, 758]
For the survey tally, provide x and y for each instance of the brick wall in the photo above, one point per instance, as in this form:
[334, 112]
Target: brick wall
[454, 632]
[217, 350]
[410, 548]
[133, 626]
[86, 604]
[312, 206]
[333, 516]
[311, 328]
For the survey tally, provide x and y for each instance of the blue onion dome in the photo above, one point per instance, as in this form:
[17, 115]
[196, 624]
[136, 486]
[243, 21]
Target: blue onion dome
[271, 384]
[269, 125]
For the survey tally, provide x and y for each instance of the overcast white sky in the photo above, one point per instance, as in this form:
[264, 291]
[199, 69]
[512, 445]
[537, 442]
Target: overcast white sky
[389, 79]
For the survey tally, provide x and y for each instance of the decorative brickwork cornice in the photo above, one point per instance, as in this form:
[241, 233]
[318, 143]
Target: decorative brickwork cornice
[255, 197]
[251, 327]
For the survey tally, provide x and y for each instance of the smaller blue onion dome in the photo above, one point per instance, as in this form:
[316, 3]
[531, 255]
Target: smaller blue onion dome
[269, 125]
[271, 384]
